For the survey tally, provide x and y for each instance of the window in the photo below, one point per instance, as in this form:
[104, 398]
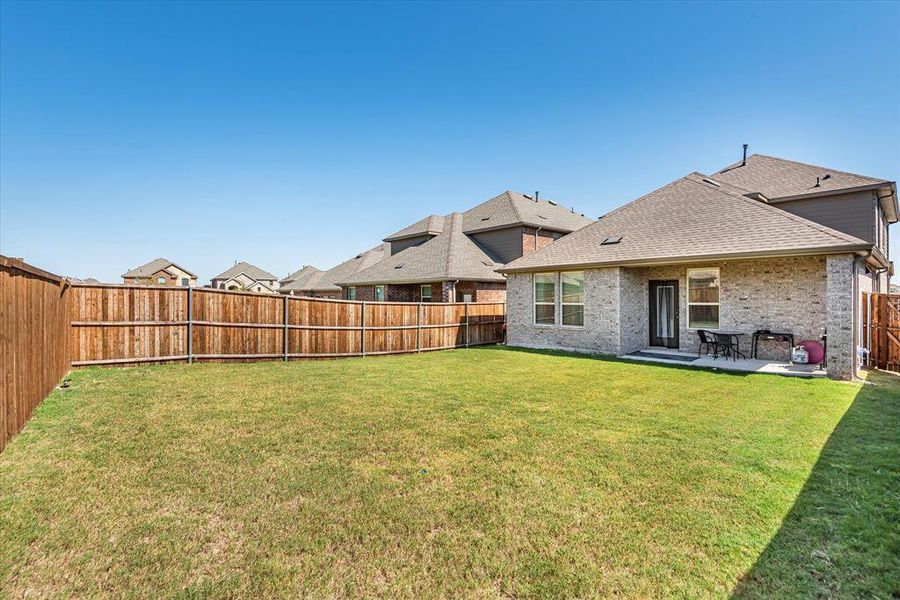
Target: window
[572, 285]
[185, 282]
[703, 298]
[161, 281]
[426, 293]
[379, 293]
[545, 298]
[351, 293]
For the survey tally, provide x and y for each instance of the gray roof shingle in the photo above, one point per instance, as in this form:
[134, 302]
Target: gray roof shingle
[694, 217]
[152, 267]
[778, 178]
[430, 225]
[299, 279]
[450, 255]
[247, 269]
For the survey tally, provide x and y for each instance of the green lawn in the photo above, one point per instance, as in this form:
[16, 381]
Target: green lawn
[479, 473]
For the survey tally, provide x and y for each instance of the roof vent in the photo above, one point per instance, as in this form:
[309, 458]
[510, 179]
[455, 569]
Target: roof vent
[536, 195]
[711, 182]
[487, 263]
[611, 240]
[485, 218]
[552, 203]
[542, 217]
[400, 266]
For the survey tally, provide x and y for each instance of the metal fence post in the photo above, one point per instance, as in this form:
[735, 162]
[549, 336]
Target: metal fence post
[362, 331]
[190, 320]
[285, 320]
[467, 323]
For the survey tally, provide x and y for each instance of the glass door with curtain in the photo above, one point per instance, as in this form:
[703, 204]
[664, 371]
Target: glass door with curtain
[664, 313]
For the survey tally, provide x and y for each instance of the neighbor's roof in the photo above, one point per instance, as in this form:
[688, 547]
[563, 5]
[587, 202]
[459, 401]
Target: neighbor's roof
[504, 210]
[293, 276]
[302, 279]
[154, 266]
[513, 208]
[778, 178]
[451, 255]
[327, 281]
[430, 225]
[247, 269]
[692, 218]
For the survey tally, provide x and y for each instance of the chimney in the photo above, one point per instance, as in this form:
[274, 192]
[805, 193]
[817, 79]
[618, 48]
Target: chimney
[744, 162]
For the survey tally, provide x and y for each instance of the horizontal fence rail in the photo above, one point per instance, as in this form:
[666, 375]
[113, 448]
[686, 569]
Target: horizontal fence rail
[34, 340]
[114, 324]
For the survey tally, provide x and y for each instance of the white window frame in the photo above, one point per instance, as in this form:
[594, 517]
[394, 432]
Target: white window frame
[422, 295]
[562, 304]
[535, 303]
[383, 293]
[687, 296]
[160, 281]
[351, 292]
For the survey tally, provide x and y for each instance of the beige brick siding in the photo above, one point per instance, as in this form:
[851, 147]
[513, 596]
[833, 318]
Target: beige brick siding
[797, 295]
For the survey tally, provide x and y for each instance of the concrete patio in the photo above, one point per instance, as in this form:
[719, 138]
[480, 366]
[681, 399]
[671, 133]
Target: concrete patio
[747, 365]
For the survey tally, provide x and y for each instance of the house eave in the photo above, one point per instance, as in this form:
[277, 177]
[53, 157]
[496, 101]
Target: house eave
[419, 280]
[521, 224]
[650, 262]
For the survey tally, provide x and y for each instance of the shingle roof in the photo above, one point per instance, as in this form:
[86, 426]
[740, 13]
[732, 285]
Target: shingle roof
[326, 281]
[780, 178]
[299, 279]
[451, 255]
[513, 208]
[432, 224]
[247, 269]
[154, 266]
[690, 218]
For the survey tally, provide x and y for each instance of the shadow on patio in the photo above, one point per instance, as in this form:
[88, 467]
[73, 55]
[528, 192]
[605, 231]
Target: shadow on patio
[841, 538]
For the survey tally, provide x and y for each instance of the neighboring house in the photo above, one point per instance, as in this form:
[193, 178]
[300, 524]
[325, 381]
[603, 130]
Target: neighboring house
[246, 277]
[455, 258]
[312, 282]
[764, 244]
[160, 271]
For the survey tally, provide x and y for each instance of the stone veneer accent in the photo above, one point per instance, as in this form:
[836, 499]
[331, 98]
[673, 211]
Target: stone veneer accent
[801, 295]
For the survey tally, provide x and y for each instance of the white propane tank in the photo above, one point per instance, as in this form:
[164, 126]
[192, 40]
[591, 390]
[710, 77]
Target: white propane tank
[799, 355]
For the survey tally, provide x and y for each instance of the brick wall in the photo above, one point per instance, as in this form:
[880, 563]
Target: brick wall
[801, 295]
[532, 242]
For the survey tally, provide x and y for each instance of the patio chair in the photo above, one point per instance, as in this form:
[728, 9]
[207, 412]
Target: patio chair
[729, 346]
[708, 339]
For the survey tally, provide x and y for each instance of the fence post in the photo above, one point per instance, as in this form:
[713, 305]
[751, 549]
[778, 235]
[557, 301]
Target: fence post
[285, 321]
[467, 323]
[362, 331]
[190, 320]
[419, 327]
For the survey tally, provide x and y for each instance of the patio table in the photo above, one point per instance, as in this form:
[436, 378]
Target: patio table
[737, 335]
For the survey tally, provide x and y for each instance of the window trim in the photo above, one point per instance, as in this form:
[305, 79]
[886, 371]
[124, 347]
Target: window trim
[161, 280]
[581, 304]
[383, 293]
[535, 303]
[422, 295]
[351, 292]
[687, 298]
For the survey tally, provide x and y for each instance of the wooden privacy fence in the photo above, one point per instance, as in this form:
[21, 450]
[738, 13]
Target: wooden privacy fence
[881, 327]
[34, 340]
[115, 324]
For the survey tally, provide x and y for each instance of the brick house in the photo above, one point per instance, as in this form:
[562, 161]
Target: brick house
[246, 277]
[160, 272]
[312, 282]
[765, 244]
[455, 258]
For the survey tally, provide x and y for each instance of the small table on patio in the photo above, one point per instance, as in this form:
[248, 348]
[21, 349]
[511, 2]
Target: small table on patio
[737, 341]
[770, 335]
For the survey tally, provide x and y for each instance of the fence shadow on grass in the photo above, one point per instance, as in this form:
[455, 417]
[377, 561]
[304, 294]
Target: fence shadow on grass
[840, 538]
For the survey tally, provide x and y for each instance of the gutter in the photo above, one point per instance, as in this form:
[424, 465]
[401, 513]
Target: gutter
[647, 262]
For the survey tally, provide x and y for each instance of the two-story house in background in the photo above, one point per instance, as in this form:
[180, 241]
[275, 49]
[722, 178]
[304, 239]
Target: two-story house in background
[247, 278]
[160, 272]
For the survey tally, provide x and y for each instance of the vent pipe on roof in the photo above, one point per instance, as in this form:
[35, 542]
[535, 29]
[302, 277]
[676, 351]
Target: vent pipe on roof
[744, 161]
[536, 194]
[817, 182]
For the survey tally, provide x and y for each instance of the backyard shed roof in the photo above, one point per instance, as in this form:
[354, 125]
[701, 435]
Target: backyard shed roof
[247, 269]
[451, 255]
[154, 266]
[692, 218]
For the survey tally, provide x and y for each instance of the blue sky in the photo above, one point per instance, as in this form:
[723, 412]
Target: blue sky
[288, 134]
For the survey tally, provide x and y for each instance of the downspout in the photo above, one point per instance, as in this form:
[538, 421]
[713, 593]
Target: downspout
[536, 231]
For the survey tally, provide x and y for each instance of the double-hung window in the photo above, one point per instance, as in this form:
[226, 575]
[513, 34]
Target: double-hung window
[703, 298]
[572, 285]
[351, 293]
[545, 298]
[425, 293]
[379, 293]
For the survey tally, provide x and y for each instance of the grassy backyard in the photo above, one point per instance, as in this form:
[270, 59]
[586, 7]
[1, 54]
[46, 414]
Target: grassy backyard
[483, 472]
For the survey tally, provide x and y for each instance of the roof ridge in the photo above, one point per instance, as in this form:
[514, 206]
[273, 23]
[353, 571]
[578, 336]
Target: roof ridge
[512, 202]
[812, 224]
[455, 223]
